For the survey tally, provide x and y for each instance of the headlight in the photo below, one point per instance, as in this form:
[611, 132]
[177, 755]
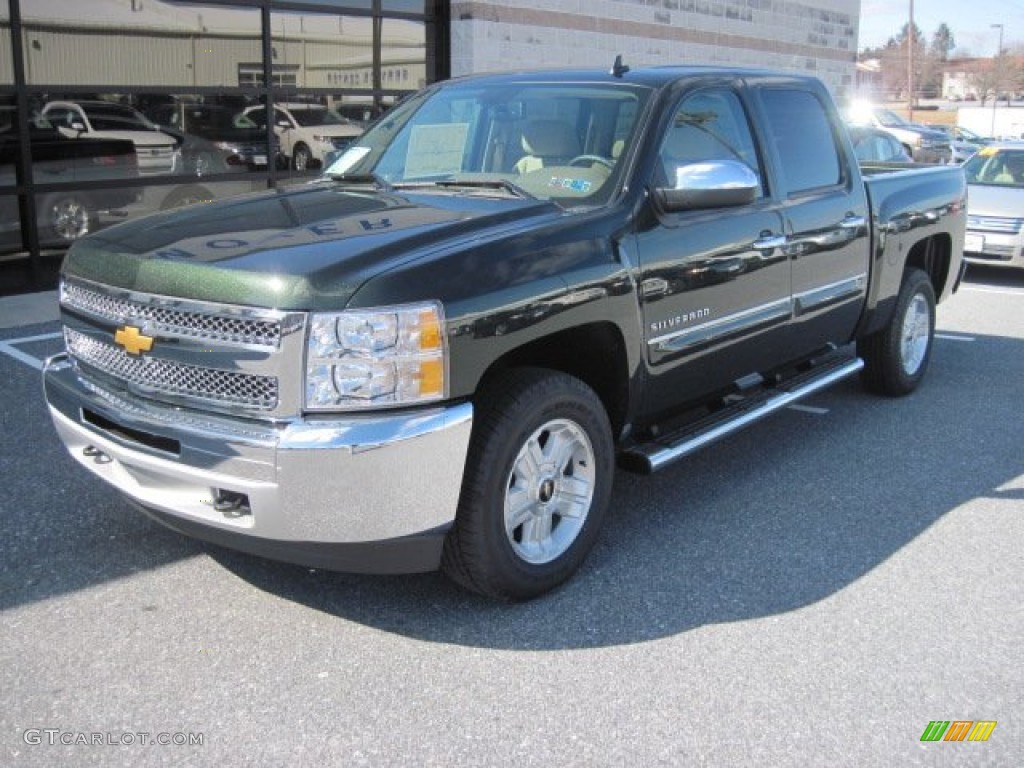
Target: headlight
[382, 357]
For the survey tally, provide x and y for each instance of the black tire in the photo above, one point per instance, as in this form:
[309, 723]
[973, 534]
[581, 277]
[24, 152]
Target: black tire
[301, 157]
[65, 218]
[896, 357]
[536, 488]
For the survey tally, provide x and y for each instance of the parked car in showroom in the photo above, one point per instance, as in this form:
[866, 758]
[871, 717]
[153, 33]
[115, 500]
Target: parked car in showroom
[234, 137]
[872, 145]
[68, 212]
[995, 206]
[157, 151]
[307, 131]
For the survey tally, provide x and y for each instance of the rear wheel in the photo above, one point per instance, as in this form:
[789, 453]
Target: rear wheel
[896, 357]
[536, 489]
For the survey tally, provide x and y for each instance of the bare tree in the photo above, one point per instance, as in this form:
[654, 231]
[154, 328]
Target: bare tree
[894, 60]
[985, 79]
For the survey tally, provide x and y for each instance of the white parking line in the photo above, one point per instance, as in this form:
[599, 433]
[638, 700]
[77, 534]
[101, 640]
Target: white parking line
[9, 347]
[987, 289]
[953, 337]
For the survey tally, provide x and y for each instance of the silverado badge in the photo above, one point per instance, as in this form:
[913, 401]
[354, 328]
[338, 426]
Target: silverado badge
[133, 340]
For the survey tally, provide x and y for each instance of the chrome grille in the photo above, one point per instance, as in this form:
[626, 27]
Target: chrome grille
[165, 377]
[994, 252]
[1002, 224]
[165, 318]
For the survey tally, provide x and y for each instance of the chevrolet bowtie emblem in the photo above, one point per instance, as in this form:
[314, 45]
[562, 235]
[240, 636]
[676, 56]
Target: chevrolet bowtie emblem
[133, 340]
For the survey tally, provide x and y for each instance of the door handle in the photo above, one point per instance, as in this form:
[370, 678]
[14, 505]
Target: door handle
[853, 222]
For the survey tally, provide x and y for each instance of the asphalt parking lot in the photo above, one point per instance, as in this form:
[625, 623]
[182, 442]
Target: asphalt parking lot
[815, 591]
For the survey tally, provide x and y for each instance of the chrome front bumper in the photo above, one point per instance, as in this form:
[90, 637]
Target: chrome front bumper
[372, 494]
[998, 249]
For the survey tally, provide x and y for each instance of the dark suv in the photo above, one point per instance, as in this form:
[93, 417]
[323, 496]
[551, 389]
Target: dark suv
[240, 143]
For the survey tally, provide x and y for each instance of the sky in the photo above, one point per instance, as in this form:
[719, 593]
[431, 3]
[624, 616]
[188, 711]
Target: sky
[969, 20]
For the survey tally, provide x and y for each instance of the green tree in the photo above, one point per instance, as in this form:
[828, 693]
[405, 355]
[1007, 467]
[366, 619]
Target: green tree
[942, 43]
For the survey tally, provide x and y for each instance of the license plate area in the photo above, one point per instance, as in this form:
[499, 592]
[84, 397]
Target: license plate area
[974, 243]
[128, 435]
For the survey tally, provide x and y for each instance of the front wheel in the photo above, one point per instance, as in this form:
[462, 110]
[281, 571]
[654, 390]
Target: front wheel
[301, 157]
[536, 489]
[65, 218]
[896, 357]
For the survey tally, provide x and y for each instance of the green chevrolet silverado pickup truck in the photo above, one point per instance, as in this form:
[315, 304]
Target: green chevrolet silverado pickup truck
[436, 355]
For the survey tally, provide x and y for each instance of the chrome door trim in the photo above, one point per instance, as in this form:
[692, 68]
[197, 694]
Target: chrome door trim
[765, 314]
[829, 294]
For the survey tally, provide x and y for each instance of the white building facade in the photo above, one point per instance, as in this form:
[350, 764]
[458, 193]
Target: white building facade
[814, 36]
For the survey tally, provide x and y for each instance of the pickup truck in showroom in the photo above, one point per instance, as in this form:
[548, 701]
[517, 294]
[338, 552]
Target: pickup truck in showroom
[436, 355]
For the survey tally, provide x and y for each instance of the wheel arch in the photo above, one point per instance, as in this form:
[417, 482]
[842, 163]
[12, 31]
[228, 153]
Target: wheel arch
[594, 353]
[186, 195]
[933, 256]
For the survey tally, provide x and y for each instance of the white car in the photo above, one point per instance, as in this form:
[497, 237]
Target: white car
[157, 152]
[308, 132]
[995, 206]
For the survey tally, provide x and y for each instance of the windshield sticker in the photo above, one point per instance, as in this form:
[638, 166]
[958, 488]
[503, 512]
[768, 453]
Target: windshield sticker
[436, 149]
[582, 186]
[348, 159]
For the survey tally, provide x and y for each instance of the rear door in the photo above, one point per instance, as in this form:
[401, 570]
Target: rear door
[826, 212]
[715, 284]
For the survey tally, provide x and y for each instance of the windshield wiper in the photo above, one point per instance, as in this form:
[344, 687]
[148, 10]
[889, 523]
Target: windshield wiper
[503, 184]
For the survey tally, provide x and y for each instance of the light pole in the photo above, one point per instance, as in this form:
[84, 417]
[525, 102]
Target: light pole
[996, 62]
[911, 39]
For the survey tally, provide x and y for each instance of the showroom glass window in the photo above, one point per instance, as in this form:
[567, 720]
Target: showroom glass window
[185, 87]
[10, 229]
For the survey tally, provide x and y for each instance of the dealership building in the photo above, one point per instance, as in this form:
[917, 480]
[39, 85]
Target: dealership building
[222, 80]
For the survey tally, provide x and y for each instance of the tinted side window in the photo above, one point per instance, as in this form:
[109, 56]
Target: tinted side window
[799, 128]
[708, 125]
[258, 116]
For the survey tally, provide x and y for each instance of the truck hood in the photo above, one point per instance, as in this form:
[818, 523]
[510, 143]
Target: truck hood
[992, 200]
[926, 132]
[139, 138]
[309, 247]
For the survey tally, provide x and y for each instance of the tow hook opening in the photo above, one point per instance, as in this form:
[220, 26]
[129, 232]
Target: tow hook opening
[231, 503]
[94, 453]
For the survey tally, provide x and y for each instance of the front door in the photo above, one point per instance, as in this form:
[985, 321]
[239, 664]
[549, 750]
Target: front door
[715, 285]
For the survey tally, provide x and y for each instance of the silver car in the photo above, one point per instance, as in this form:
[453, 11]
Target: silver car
[995, 206]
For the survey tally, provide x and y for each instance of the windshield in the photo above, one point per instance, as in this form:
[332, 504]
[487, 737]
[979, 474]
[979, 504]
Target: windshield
[555, 141]
[208, 120]
[997, 167]
[887, 117]
[112, 117]
[317, 116]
